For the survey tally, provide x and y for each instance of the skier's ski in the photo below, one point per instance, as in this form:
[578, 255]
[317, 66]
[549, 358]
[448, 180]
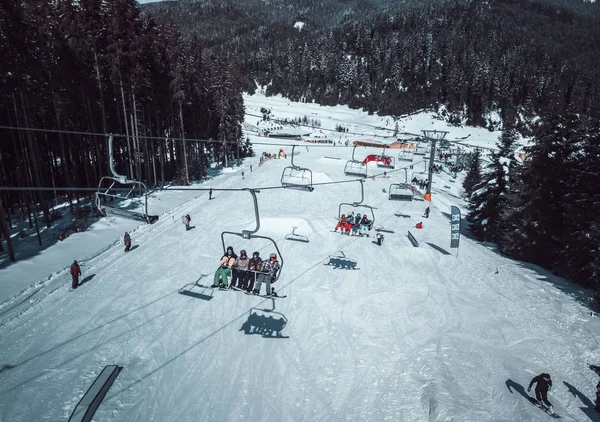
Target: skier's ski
[544, 408]
[272, 297]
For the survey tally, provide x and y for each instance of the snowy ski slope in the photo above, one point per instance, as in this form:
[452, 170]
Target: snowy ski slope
[412, 334]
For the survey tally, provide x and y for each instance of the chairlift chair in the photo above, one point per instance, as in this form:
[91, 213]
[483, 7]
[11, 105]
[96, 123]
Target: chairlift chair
[404, 155]
[355, 167]
[116, 182]
[297, 177]
[386, 161]
[359, 205]
[250, 234]
[401, 192]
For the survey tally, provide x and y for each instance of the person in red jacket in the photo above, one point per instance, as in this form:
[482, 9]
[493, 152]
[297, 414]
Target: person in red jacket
[75, 273]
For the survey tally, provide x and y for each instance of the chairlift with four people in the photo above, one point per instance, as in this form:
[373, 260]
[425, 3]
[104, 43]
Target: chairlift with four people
[358, 205]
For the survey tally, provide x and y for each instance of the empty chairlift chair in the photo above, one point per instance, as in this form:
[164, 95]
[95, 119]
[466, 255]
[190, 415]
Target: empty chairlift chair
[405, 155]
[355, 167]
[401, 192]
[122, 190]
[297, 177]
[385, 161]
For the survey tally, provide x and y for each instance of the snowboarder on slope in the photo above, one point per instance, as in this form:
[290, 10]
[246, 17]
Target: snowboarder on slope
[224, 270]
[127, 241]
[186, 221]
[75, 273]
[544, 383]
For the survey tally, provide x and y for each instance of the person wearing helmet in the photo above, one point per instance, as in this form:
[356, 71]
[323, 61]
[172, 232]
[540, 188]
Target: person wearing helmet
[127, 241]
[349, 223]
[341, 224]
[254, 267]
[224, 270]
[239, 272]
[75, 273]
[365, 225]
[268, 274]
[356, 224]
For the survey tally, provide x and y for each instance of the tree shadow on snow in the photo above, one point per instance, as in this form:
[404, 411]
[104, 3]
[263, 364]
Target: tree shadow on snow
[589, 409]
[264, 322]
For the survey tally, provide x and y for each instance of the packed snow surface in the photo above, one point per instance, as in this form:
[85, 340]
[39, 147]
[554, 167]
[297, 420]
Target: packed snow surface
[397, 333]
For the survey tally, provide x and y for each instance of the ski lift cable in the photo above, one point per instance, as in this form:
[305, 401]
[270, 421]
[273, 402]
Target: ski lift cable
[85, 189]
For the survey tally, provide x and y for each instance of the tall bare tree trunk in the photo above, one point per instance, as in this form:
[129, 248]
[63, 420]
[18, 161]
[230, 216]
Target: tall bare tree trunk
[6, 233]
[187, 176]
[126, 128]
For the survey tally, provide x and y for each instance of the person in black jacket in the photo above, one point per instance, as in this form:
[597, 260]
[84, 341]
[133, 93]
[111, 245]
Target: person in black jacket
[544, 383]
[254, 267]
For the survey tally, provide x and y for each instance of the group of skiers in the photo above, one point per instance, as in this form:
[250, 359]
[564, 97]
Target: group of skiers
[247, 273]
[354, 224]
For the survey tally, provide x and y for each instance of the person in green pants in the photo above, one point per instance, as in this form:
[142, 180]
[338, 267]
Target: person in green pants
[224, 270]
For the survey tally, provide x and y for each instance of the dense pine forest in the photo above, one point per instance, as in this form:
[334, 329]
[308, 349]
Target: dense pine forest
[176, 70]
[95, 67]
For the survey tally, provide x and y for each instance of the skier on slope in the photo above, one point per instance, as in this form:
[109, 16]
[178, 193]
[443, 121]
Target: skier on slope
[186, 221]
[544, 383]
[75, 273]
[127, 242]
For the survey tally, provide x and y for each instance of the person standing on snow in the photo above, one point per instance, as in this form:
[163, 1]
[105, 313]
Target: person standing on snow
[224, 270]
[127, 241]
[186, 221]
[544, 384]
[75, 273]
[427, 212]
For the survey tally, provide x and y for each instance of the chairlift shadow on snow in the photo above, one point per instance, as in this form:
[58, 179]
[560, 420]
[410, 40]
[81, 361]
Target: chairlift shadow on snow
[342, 262]
[589, 408]
[197, 290]
[265, 322]
[399, 214]
[437, 248]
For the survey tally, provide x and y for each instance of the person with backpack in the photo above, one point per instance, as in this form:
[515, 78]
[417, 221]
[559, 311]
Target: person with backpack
[186, 221]
[254, 267]
[239, 271]
[224, 270]
[543, 385]
[75, 273]
[268, 274]
[127, 241]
